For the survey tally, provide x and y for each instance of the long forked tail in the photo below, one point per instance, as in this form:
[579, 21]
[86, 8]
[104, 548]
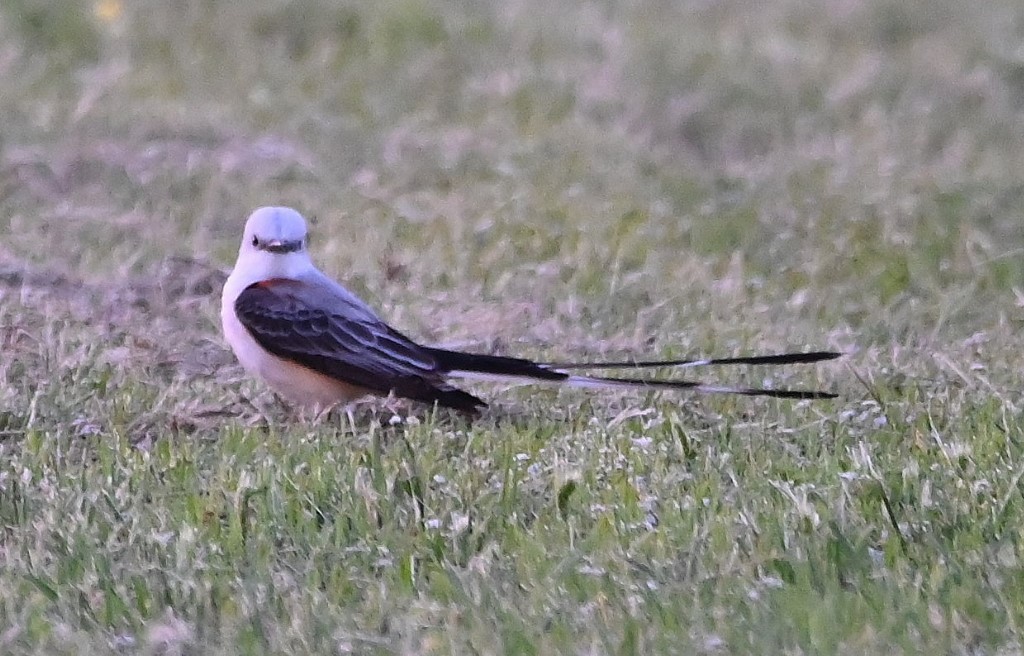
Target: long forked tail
[781, 358]
[499, 368]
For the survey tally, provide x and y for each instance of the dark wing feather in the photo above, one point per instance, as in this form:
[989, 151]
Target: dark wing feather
[293, 320]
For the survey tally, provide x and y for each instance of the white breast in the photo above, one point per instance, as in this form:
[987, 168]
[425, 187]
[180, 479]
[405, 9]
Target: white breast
[294, 382]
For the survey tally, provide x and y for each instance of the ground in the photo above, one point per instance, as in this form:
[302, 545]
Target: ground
[540, 179]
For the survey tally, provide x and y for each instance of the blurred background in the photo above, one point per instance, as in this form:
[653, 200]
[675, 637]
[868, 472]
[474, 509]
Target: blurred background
[854, 164]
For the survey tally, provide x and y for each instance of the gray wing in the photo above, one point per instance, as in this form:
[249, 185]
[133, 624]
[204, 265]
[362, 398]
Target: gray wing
[337, 335]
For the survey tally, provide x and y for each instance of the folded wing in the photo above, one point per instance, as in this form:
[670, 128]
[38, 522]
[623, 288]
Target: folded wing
[307, 324]
[336, 335]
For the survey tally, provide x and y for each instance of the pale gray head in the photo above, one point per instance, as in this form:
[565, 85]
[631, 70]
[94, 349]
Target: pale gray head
[277, 230]
[274, 245]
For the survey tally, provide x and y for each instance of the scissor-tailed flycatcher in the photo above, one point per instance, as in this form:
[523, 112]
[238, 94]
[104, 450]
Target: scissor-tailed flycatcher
[316, 344]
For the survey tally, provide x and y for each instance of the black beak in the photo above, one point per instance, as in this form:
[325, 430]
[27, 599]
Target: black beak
[282, 246]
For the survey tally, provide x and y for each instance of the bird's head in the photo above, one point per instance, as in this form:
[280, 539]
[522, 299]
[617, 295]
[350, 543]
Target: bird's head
[275, 242]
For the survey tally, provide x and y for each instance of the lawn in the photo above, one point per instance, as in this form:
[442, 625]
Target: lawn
[550, 180]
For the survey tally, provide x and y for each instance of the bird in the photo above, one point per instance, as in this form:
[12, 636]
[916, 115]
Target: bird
[318, 345]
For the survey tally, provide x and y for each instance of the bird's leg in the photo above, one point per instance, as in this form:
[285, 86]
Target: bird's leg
[394, 405]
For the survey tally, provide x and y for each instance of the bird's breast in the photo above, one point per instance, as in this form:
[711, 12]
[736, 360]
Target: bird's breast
[296, 383]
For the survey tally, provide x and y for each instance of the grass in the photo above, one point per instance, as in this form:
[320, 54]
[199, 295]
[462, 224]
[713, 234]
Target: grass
[550, 180]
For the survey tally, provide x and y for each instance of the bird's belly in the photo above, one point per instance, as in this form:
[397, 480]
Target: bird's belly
[298, 384]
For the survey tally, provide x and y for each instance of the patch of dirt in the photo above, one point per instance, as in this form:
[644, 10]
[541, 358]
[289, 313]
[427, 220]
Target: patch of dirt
[52, 175]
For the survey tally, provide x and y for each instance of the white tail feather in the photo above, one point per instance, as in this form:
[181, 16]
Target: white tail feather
[588, 382]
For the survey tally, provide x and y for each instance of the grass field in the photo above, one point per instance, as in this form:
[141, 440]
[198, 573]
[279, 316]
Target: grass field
[542, 179]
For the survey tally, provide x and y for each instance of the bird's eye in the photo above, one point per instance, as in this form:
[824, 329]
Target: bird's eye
[255, 240]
